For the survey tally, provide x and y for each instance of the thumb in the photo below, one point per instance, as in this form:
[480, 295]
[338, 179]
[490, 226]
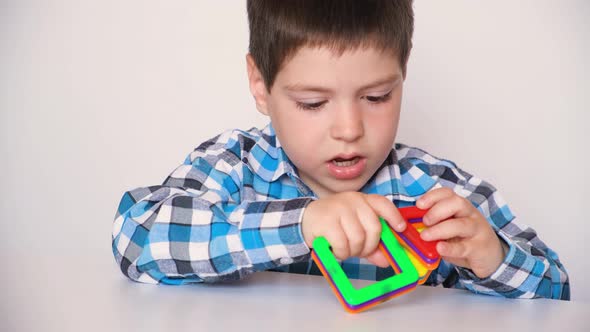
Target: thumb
[385, 208]
[378, 258]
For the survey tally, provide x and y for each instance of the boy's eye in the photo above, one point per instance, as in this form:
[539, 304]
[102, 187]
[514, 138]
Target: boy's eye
[311, 106]
[378, 99]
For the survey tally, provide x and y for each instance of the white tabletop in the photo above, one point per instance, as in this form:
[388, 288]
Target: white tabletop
[100, 97]
[69, 293]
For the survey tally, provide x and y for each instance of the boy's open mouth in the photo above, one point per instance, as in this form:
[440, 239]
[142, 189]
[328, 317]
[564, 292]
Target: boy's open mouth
[347, 166]
[343, 162]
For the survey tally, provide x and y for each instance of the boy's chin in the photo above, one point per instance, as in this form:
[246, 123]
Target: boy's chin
[331, 186]
[340, 186]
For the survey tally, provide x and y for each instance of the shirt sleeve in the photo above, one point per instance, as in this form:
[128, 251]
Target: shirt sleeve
[196, 228]
[530, 268]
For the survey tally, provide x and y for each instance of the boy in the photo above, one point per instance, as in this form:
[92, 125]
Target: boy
[330, 75]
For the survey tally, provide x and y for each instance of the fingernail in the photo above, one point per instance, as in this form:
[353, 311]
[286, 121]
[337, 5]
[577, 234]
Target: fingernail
[425, 235]
[421, 202]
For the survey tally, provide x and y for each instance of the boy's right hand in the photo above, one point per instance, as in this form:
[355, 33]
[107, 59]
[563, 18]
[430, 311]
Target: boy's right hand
[350, 223]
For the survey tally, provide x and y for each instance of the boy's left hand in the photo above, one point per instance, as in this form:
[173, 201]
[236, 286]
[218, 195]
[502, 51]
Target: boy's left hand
[466, 238]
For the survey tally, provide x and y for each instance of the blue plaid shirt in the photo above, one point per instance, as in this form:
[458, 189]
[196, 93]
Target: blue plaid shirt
[235, 206]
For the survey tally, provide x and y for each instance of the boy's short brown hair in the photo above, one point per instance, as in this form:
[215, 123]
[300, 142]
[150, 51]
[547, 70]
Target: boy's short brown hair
[278, 28]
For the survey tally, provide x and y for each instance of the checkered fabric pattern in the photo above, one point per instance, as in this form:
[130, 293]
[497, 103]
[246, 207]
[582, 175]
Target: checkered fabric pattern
[234, 207]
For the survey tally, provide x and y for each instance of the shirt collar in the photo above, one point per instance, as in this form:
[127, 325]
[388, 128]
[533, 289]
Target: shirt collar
[400, 177]
[271, 157]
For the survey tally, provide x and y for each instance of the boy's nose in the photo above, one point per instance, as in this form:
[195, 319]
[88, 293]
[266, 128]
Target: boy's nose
[348, 124]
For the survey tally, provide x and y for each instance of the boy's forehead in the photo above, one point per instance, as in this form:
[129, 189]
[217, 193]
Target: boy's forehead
[335, 52]
[310, 64]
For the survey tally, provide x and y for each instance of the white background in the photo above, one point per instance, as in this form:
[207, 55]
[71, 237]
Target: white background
[98, 97]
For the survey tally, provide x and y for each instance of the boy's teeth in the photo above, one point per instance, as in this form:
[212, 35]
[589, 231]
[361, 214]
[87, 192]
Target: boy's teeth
[345, 163]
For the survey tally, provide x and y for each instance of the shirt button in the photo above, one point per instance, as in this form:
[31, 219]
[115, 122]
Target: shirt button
[286, 260]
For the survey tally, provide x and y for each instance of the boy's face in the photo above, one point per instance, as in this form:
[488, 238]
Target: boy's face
[335, 116]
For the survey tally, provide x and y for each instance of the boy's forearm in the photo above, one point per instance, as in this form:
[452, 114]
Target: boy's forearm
[530, 269]
[166, 235]
[526, 272]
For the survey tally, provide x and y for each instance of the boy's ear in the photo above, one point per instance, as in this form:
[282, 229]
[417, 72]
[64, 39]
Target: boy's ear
[257, 86]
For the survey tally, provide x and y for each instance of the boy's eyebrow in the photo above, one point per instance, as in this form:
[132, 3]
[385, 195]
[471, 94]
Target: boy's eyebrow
[387, 79]
[299, 87]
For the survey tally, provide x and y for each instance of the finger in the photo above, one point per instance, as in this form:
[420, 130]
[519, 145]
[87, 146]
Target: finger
[372, 229]
[430, 198]
[386, 209]
[338, 242]
[355, 234]
[455, 249]
[448, 207]
[451, 228]
[378, 258]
